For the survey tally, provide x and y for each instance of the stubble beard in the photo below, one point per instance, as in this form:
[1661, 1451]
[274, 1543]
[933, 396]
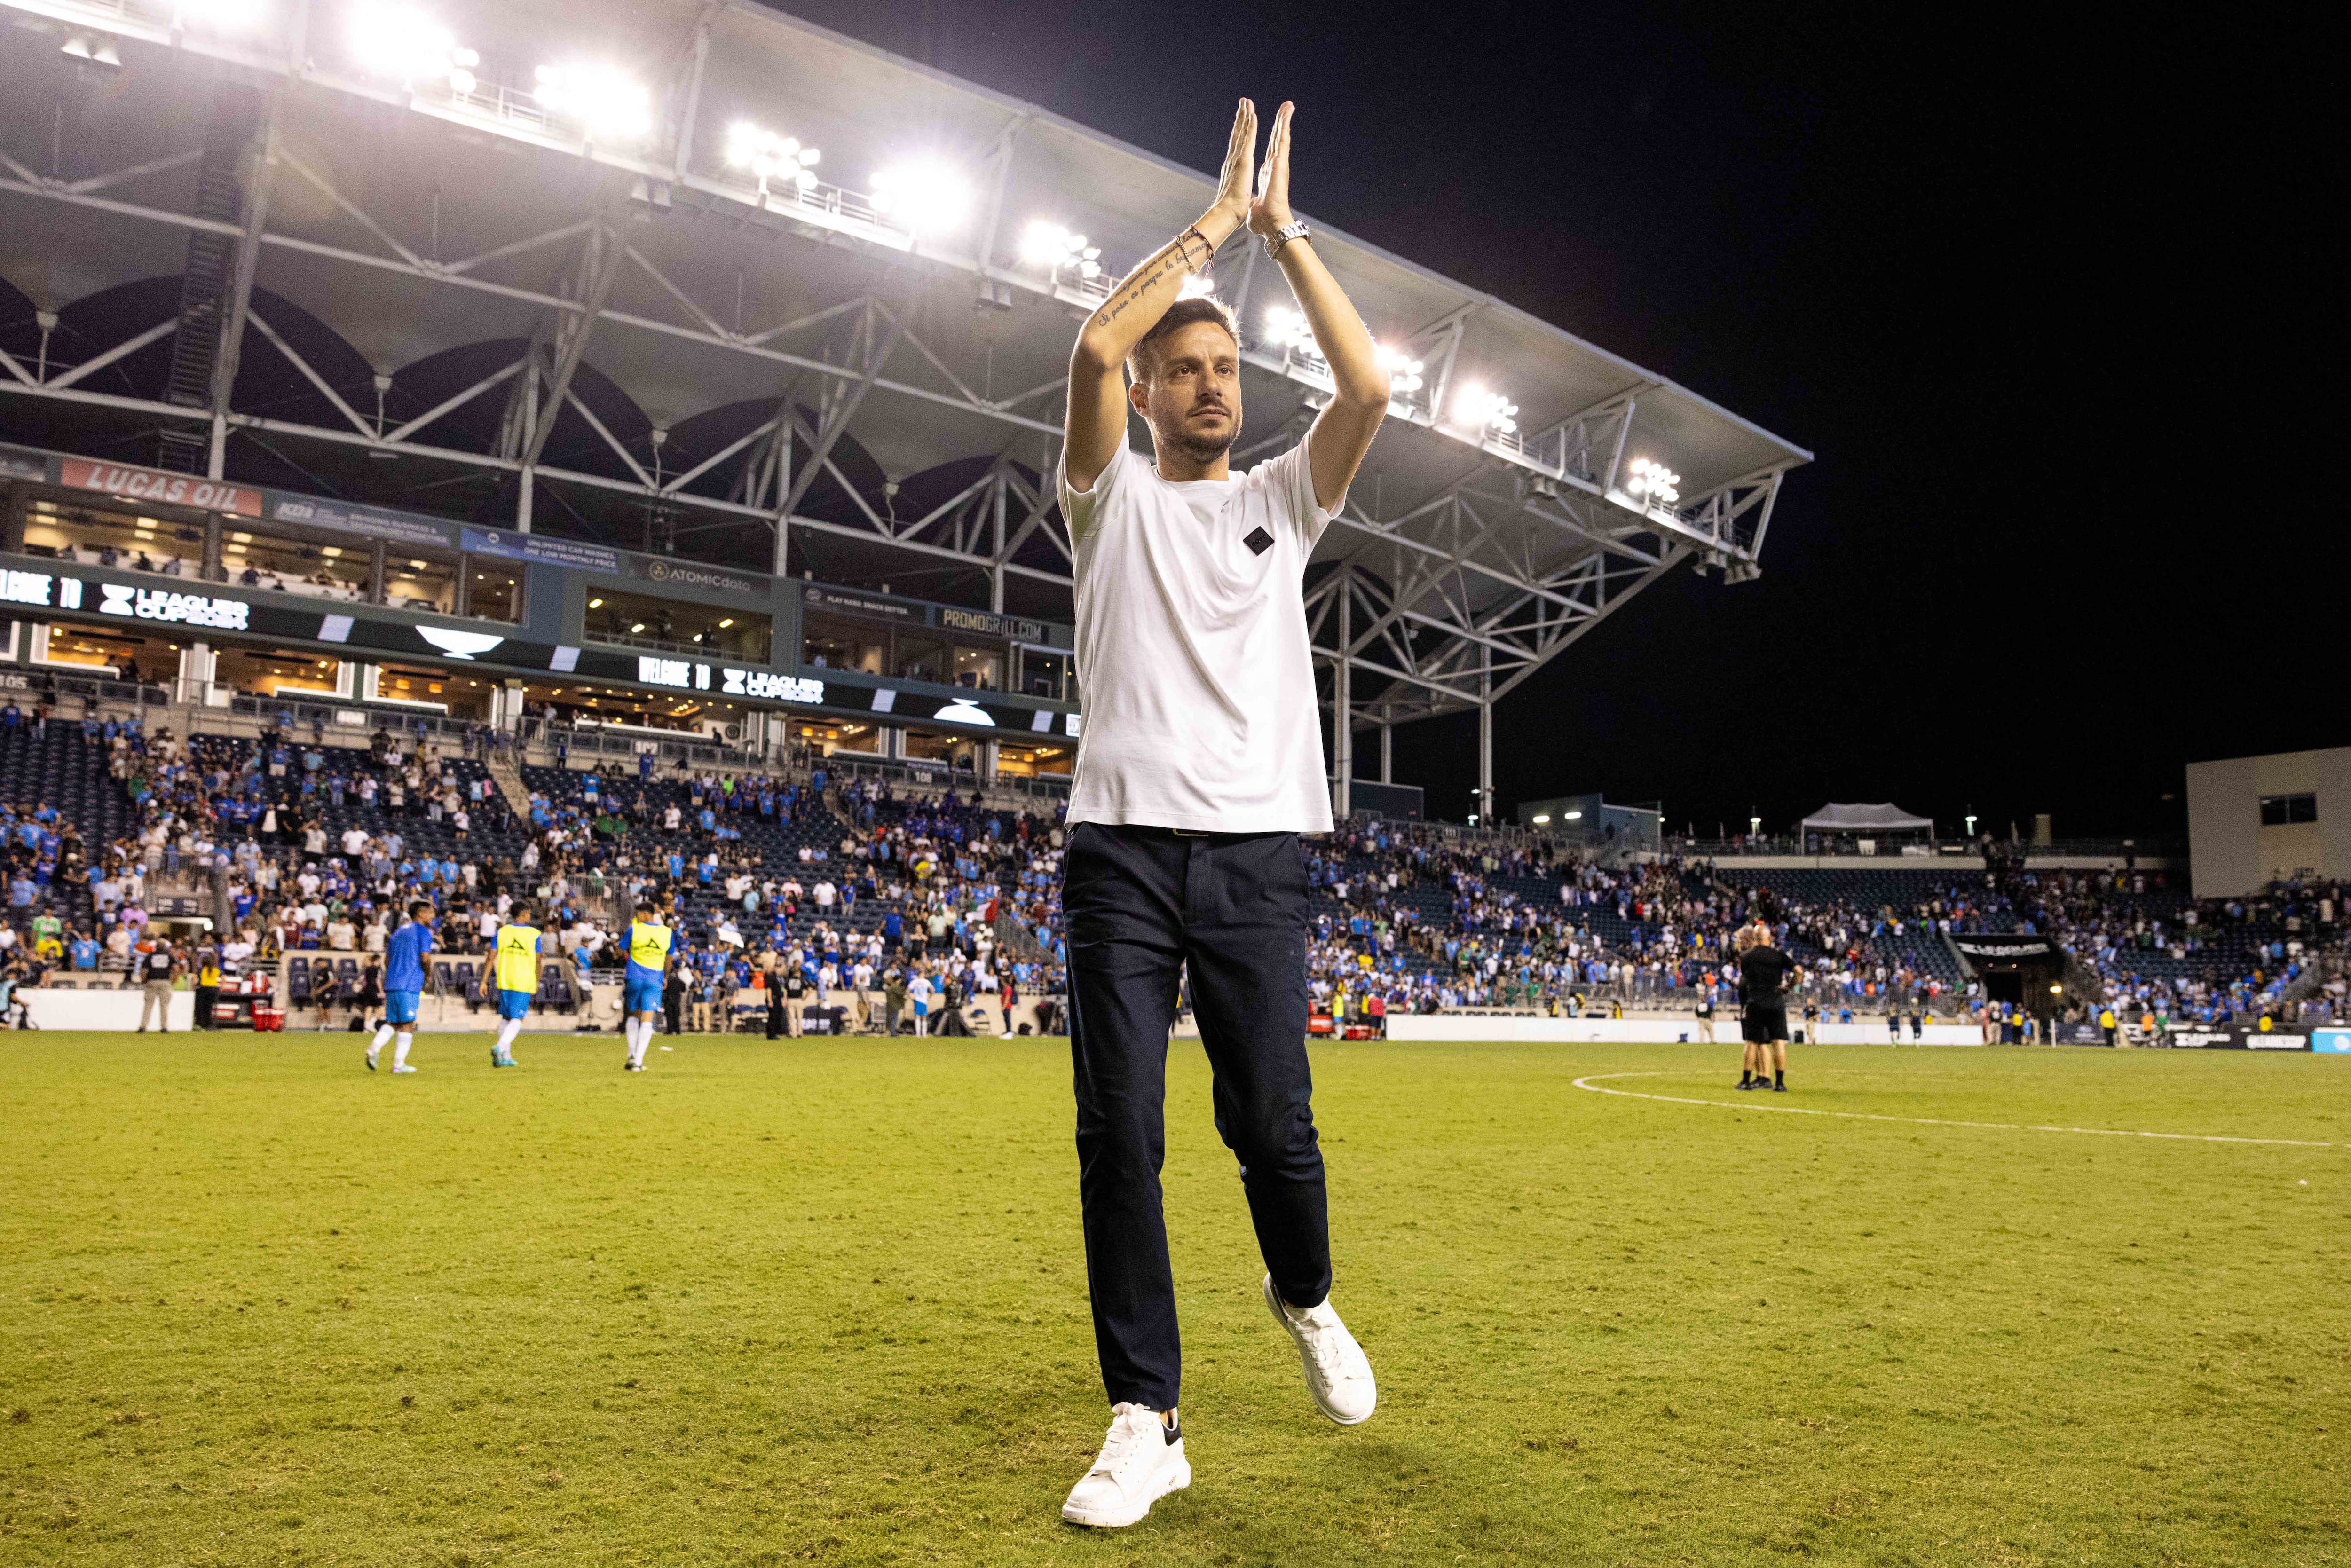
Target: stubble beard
[1200, 449]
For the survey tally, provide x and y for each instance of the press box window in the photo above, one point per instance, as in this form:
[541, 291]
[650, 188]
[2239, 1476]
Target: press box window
[425, 580]
[251, 559]
[459, 696]
[129, 658]
[494, 592]
[829, 644]
[278, 672]
[824, 740]
[642, 621]
[1048, 673]
[1028, 761]
[921, 657]
[2282, 810]
[109, 537]
[955, 750]
[982, 669]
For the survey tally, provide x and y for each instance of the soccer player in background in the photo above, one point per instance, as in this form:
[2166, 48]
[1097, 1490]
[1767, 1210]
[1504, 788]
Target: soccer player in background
[1763, 972]
[641, 985]
[403, 984]
[1200, 766]
[514, 967]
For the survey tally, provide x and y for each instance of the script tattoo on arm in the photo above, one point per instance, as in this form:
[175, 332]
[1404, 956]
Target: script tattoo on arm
[1174, 257]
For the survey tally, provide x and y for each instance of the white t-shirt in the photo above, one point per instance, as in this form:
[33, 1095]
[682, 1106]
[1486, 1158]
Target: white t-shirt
[1192, 649]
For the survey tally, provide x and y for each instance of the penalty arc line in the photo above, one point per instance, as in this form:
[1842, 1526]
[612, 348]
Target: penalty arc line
[1590, 1084]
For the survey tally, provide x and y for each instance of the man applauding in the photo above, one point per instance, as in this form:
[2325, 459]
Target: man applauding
[1200, 764]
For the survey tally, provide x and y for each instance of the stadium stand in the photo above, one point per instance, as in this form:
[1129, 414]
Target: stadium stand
[308, 850]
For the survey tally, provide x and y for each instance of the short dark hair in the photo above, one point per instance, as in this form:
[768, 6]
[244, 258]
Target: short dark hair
[1141, 359]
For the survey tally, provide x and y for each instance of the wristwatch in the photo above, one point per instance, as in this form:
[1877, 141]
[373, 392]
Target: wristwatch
[1295, 229]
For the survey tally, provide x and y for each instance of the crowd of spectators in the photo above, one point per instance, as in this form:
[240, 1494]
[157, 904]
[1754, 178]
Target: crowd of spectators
[918, 904]
[315, 849]
[2155, 951]
[1426, 919]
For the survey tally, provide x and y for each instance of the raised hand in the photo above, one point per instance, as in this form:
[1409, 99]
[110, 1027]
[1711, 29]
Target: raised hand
[1270, 210]
[1241, 154]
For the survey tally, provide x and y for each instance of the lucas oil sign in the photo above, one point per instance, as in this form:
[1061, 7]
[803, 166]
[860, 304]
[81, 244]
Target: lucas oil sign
[155, 485]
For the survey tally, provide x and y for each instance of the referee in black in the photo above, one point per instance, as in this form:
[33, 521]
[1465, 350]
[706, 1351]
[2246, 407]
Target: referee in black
[1764, 975]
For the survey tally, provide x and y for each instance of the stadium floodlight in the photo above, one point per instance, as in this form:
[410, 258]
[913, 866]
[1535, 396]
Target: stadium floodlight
[394, 40]
[770, 157]
[606, 103]
[1404, 370]
[101, 52]
[922, 193]
[1047, 245]
[1487, 410]
[1653, 481]
[1289, 331]
[1196, 285]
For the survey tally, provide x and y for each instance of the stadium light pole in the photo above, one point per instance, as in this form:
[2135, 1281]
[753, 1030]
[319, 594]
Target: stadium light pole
[1486, 732]
[1343, 705]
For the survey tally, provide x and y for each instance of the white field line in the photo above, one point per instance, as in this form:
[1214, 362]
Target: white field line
[1593, 1084]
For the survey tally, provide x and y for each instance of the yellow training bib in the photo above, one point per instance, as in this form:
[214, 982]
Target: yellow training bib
[517, 958]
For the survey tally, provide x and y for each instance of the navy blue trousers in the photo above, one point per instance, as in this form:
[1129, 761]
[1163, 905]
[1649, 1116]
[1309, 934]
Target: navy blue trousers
[1142, 905]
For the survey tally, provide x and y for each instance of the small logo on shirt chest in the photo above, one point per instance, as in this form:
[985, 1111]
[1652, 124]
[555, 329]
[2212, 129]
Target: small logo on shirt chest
[1259, 540]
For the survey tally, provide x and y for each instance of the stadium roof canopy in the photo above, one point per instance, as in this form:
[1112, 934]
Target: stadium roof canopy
[1882, 817]
[501, 264]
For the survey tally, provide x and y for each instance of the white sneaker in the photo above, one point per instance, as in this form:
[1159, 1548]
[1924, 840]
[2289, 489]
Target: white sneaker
[1338, 1373]
[1141, 1461]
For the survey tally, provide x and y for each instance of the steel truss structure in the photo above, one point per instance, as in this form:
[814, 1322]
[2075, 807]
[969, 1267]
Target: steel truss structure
[422, 226]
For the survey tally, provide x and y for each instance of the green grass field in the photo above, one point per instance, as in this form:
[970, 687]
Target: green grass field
[774, 1303]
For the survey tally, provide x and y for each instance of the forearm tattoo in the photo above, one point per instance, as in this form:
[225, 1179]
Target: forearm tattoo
[1176, 256]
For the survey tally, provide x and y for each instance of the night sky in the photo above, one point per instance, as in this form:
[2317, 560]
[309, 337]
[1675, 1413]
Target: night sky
[2044, 306]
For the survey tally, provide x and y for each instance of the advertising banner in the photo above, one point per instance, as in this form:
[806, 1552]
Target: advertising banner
[393, 528]
[953, 617]
[695, 574]
[1012, 628]
[90, 596]
[157, 485]
[2331, 1041]
[22, 463]
[872, 606]
[2236, 1037]
[573, 553]
[1999, 948]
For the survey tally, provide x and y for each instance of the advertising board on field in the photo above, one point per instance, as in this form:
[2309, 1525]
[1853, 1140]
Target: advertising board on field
[2236, 1037]
[2331, 1041]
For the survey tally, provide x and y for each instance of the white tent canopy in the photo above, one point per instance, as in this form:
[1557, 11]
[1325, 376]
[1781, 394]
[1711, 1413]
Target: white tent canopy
[1882, 817]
